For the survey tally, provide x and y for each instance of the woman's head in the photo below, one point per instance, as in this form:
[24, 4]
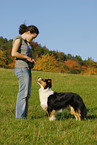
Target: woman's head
[31, 31]
[23, 28]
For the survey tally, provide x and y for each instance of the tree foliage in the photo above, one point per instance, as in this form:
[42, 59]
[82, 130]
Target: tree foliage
[47, 63]
[49, 60]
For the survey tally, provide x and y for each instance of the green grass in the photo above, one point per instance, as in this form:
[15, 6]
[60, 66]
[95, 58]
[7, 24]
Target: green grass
[37, 130]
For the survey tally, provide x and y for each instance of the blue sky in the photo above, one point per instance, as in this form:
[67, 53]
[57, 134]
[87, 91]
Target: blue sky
[68, 26]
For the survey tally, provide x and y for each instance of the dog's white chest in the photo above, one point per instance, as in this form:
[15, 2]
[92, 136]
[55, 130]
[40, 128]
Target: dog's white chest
[43, 96]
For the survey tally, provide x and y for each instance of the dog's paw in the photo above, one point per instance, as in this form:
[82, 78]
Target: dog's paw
[60, 110]
[52, 118]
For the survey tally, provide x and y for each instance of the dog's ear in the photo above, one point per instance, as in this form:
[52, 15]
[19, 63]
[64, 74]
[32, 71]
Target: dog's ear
[49, 83]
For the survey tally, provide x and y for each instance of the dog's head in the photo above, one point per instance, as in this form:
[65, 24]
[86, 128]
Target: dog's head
[45, 83]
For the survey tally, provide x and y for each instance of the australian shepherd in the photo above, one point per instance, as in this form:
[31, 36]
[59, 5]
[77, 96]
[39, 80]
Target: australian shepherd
[52, 101]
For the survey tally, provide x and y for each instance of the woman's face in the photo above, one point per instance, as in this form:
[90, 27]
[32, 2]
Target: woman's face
[31, 36]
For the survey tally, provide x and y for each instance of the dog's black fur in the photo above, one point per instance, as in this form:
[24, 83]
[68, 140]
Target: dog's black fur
[59, 101]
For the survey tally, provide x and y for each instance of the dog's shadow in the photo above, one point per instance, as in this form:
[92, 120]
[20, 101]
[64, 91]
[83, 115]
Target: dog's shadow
[92, 112]
[92, 117]
[66, 115]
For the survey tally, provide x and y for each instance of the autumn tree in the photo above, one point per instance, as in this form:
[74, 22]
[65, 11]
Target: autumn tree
[74, 66]
[46, 63]
[2, 58]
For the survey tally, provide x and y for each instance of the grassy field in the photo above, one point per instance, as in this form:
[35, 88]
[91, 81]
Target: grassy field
[37, 130]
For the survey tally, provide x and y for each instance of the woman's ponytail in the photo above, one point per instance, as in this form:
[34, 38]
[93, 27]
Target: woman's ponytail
[22, 29]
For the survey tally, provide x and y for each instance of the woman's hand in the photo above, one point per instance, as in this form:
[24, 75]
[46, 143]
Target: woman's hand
[30, 59]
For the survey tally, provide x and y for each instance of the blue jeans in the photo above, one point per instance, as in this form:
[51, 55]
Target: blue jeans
[25, 81]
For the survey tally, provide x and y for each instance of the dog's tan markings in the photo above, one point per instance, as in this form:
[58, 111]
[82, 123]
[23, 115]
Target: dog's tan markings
[46, 108]
[52, 114]
[76, 114]
[43, 84]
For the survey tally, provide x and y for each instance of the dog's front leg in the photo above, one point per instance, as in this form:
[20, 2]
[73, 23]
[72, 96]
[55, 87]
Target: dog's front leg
[51, 115]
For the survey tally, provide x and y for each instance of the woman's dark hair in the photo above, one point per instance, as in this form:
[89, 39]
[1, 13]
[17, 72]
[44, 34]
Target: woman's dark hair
[23, 28]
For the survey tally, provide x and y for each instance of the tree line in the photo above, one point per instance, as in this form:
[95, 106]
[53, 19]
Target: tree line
[49, 60]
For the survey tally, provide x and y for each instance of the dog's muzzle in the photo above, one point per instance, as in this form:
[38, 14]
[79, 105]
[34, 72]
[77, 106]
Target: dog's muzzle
[39, 80]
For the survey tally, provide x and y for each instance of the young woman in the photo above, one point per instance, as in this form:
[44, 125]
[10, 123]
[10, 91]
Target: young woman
[21, 50]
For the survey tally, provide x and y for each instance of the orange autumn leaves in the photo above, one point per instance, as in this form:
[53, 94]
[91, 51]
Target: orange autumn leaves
[50, 63]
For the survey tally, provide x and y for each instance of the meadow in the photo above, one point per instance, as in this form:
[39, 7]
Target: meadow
[37, 129]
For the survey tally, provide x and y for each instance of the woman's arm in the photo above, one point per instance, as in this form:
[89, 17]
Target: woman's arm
[15, 52]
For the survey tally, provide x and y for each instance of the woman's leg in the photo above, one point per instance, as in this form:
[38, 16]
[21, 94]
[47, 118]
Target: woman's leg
[25, 81]
[29, 93]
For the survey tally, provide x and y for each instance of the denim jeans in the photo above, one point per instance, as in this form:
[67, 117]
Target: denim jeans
[25, 81]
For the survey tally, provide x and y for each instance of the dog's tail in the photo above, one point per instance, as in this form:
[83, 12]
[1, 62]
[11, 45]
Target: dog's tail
[83, 112]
